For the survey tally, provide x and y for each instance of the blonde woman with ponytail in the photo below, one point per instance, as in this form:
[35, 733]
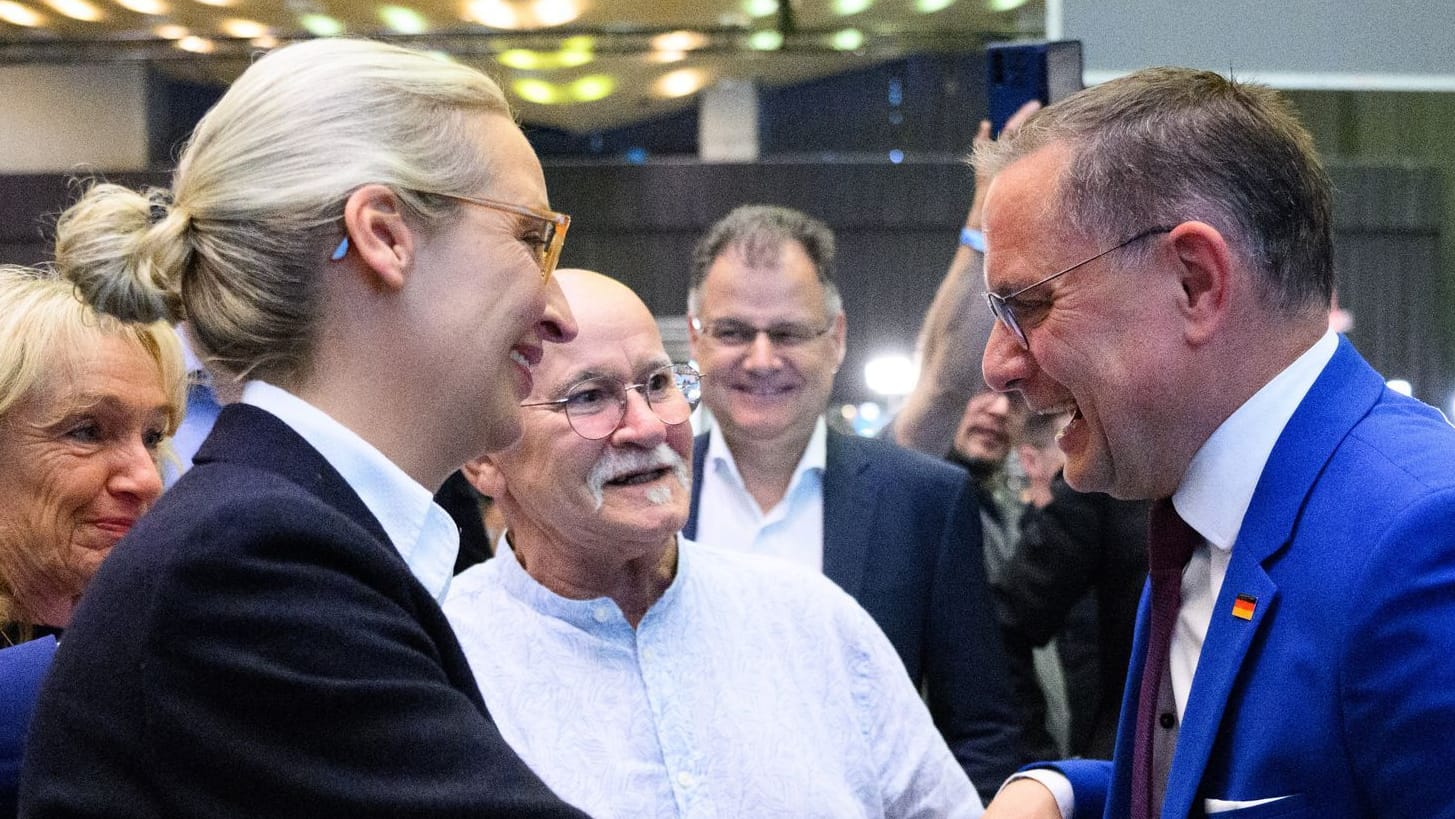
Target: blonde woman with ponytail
[359, 235]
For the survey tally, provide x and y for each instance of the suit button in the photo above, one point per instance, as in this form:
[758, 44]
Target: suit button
[1168, 720]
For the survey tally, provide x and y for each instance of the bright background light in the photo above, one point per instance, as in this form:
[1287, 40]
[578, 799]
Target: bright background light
[892, 375]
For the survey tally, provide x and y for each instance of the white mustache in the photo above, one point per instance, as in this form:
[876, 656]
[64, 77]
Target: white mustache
[615, 463]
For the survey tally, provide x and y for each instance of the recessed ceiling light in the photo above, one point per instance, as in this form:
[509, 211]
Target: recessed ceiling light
[932, 6]
[197, 45]
[680, 83]
[1004, 5]
[265, 42]
[679, 41]
[593, 87]
[766, 40]
[844, 8]
[321, 25]
[170, 31]
[76, 9]
[144, 6]
[493, 13]
[760, 8]
[555, 12]
[16, 14]
[666, 56]
[403, 20]
[217, 3]
[242, 29]
[847, 39]
[539, 92]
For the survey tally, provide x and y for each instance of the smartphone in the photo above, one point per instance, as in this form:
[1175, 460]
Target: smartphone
[1020, 72]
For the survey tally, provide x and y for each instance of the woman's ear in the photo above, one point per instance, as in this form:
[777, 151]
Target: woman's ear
[380, 237]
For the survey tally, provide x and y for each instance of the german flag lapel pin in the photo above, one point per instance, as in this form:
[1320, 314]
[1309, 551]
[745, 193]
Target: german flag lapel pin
[1243, 606]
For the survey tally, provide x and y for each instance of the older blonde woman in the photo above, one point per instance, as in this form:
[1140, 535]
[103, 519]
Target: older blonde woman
[360, 233]
[86, 405]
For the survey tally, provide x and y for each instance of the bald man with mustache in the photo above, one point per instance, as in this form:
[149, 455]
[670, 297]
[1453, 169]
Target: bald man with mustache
[640, 674]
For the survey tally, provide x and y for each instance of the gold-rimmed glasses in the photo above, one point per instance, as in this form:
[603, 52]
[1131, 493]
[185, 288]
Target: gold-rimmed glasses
[547, 248]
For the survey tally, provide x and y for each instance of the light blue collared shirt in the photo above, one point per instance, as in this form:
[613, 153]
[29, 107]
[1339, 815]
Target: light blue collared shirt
[425, 535]
[751, 688]
[729, 518]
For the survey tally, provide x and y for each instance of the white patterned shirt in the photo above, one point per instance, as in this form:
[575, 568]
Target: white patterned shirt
[748, 689]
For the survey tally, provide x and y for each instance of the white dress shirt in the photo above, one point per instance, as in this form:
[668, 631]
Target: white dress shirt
[748, 689]
[1213, 498]
[425, 535]
[728, 517]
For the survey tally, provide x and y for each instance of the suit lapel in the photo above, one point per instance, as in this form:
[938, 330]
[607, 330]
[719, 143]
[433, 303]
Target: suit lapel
[1342, 395]
[699, 465]
[850, 497]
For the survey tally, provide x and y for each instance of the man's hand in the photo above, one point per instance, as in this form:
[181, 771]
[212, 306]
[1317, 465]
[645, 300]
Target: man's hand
[1023, 799]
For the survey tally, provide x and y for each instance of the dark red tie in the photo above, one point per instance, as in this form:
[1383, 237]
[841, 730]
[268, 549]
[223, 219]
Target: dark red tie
[1170, 543]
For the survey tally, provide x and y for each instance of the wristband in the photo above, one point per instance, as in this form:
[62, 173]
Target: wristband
[973, 239]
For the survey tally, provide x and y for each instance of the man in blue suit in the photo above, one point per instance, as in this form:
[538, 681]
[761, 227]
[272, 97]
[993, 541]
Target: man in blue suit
[897, 530]
[1159, 260]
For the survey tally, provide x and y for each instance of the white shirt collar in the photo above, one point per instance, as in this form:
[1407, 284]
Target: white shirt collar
[1215, 492]
[815, 455]
[424, 534]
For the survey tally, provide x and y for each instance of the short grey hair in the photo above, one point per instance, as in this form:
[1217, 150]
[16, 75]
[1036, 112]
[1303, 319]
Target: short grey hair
[1166, 145]
[759, 232]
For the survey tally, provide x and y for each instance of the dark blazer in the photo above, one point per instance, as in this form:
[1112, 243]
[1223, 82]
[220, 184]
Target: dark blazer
[22, 668]
[256, 647]
[902, 537]
[1078, 544]
[1336, 697]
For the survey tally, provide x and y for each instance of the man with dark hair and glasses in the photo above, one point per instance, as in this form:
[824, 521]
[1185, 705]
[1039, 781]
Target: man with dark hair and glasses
[897, 530]
[1160, 267]
[640, 674]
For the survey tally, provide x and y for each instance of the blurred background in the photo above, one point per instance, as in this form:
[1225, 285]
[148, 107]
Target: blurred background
[653, 119]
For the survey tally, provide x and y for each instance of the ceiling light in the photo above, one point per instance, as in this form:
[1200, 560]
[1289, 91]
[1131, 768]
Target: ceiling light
[844, 8]
[847, 39]
[539, 92]
[197, 45]
[679, 41]
[766, 40]
[493, 13]
[321, 25]
[154, 7]
[760, 8]
[170, 31]
[666, 56]
[402, 20]
[680, 83]
[555, 12]
[521, 59]
[1004, 5]
[242, 29]
[593, 87]
[217, 3]
[932, 6]
[266, 42]
[76, 9]
[16, 14]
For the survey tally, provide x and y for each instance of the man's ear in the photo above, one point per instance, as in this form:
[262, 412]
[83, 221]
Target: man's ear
[484, 475]
[1207, 277]
[382, 240]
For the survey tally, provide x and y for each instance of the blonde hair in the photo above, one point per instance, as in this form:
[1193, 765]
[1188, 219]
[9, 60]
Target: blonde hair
[256, 203]
[45, 328]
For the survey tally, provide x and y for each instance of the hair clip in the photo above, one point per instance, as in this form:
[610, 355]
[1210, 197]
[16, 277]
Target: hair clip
[157, 213]
[341, 251]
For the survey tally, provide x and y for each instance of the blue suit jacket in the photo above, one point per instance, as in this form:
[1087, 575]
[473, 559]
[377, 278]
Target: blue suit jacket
[257, 647]
[22, 668]
[1338, 695]
[902, 537]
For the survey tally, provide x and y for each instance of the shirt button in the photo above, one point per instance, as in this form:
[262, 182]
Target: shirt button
[1168, 720]
[686, 779]
[601, 614]
[647, 654]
